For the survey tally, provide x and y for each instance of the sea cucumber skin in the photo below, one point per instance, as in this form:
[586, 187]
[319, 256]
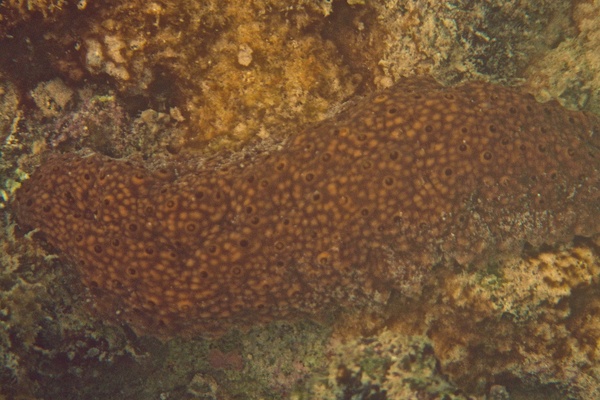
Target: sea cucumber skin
[369, 201]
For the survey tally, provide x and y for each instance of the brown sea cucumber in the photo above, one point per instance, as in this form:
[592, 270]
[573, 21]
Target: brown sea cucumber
[415, 176]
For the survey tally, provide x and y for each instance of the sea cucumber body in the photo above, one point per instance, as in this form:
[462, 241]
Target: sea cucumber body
[361, 204]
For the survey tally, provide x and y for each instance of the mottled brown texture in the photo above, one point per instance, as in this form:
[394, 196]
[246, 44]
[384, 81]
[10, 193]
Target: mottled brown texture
[368, 201]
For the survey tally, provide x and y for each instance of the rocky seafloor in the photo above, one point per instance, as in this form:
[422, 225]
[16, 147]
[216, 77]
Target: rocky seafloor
[161, 81]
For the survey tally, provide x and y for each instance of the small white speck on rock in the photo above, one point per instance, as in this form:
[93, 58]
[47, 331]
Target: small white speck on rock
[245, 55]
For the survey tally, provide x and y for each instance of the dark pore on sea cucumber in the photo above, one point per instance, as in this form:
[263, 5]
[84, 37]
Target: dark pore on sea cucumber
[369, 201]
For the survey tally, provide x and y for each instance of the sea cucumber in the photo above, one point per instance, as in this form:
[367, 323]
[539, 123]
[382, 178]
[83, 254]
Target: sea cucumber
[416, 176]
